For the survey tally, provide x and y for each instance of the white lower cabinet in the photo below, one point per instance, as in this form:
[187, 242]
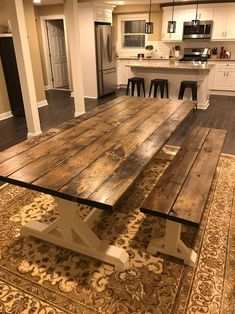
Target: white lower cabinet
[224, 77]
[123, 72]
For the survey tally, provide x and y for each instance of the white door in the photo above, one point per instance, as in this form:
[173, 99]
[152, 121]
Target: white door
[57, 53]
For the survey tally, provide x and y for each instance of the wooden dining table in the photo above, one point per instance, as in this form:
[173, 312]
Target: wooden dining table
[94, 160]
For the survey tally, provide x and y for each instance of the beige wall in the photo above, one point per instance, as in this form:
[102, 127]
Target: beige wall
[4, 100]
[3, 13]
[45, 10]
[34, 49]
[156, 17]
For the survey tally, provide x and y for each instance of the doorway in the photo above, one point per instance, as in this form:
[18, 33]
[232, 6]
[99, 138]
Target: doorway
[55, 51]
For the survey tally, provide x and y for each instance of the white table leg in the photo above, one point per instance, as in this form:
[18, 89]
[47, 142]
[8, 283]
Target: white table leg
[171, 244]
[71, 232]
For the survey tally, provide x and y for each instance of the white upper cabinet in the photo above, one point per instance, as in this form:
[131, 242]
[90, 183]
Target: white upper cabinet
[182, 14]
[224, 23]
[179, 17]
[165, 18]
[205, 14]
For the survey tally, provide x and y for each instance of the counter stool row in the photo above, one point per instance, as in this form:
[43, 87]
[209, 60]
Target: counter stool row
[162, 84]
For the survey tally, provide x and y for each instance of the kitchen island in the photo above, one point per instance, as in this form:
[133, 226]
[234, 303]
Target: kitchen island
[175, 72]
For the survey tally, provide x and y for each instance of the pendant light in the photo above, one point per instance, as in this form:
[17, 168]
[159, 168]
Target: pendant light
[149, 25]
[172, 24]
[195, 23]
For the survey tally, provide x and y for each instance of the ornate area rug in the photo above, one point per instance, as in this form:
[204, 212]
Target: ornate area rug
[37, 277]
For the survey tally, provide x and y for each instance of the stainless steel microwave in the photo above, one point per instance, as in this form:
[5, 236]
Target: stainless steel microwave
[203, 30]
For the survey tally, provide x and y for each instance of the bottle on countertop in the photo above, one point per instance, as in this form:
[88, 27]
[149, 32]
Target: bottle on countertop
[221, 53]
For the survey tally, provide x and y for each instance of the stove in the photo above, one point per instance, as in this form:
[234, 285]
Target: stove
[196, 54]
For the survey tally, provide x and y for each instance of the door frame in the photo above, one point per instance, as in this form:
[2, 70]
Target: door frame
[43, 20]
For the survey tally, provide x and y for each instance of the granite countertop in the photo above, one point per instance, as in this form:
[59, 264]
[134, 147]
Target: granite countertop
[173, 65]
[167, 59]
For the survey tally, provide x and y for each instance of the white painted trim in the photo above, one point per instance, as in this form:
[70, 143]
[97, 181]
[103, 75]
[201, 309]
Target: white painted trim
[42, 103]
[46, 87]
[127, 17]
[72, 94]
[78, 113]
[5, 115]
[203, 106]
[64, 89]
[91, 97]
[222, 92]
[6, 35]
[30, 134]
[43, 20]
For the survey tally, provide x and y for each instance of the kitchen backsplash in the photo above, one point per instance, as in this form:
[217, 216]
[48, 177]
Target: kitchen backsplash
[163, 48]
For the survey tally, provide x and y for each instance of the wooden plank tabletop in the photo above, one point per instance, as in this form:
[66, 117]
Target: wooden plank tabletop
[97, 157]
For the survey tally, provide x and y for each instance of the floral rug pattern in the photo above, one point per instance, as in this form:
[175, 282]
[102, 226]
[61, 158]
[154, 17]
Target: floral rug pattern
[38, 277]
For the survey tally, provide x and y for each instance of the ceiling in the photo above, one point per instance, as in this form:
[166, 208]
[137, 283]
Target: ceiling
[114, 2]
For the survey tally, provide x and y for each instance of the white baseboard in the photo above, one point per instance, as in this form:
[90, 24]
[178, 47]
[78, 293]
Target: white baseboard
[222, 93]
[42, 103]
[72, 94]
[30, 134]
[78, 113]
[47, 87]
[5, 115]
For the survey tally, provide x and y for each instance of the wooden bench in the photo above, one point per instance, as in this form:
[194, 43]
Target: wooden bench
[181, 193]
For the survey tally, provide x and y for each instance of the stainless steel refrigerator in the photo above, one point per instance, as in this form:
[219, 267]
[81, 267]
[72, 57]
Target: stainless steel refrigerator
[105, 60]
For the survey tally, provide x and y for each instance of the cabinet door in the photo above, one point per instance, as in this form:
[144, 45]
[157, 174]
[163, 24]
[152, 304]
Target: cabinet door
[165, 18]
[230, 79]
[179, 17]
[230, 30]
[205, 14]
[123, 72]
[220, 77]
[220, 23]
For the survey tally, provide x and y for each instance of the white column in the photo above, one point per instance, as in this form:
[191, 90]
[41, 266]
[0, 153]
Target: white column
[71, 18]
[23, 58]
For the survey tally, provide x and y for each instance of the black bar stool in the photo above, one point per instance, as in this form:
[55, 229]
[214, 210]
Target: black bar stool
[162, 85]
[188, 84]
[138, 81]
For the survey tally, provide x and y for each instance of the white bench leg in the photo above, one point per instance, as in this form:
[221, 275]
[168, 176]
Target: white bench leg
[171, 244]
[71, 232]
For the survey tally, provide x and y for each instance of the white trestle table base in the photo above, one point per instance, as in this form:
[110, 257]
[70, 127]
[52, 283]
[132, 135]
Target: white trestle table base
[71, 232]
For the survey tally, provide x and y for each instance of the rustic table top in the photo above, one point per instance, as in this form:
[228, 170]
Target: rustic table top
[96, 158]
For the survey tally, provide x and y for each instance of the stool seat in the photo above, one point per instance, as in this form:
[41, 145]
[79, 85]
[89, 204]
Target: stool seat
[189, 83]
[162, 84]
[138, 81]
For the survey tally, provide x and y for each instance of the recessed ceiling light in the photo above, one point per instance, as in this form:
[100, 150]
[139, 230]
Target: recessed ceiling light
[36, 1]
[120, 2]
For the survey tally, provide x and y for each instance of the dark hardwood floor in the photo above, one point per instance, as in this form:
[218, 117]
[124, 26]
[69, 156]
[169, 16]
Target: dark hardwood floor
[220, 114]
[59, 110]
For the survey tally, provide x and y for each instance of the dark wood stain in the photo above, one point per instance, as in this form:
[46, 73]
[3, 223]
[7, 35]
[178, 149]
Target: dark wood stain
[129, 130]
[181, 193]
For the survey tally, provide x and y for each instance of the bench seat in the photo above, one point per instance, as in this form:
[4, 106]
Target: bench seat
[181, 193]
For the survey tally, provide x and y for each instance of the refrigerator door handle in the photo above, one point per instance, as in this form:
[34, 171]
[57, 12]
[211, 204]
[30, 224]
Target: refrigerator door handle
[109, 48]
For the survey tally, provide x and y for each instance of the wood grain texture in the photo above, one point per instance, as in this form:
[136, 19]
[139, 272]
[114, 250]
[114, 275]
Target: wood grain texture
[104, 151]
[181, 193]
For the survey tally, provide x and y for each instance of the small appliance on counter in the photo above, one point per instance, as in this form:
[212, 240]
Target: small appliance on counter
[196, 54]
